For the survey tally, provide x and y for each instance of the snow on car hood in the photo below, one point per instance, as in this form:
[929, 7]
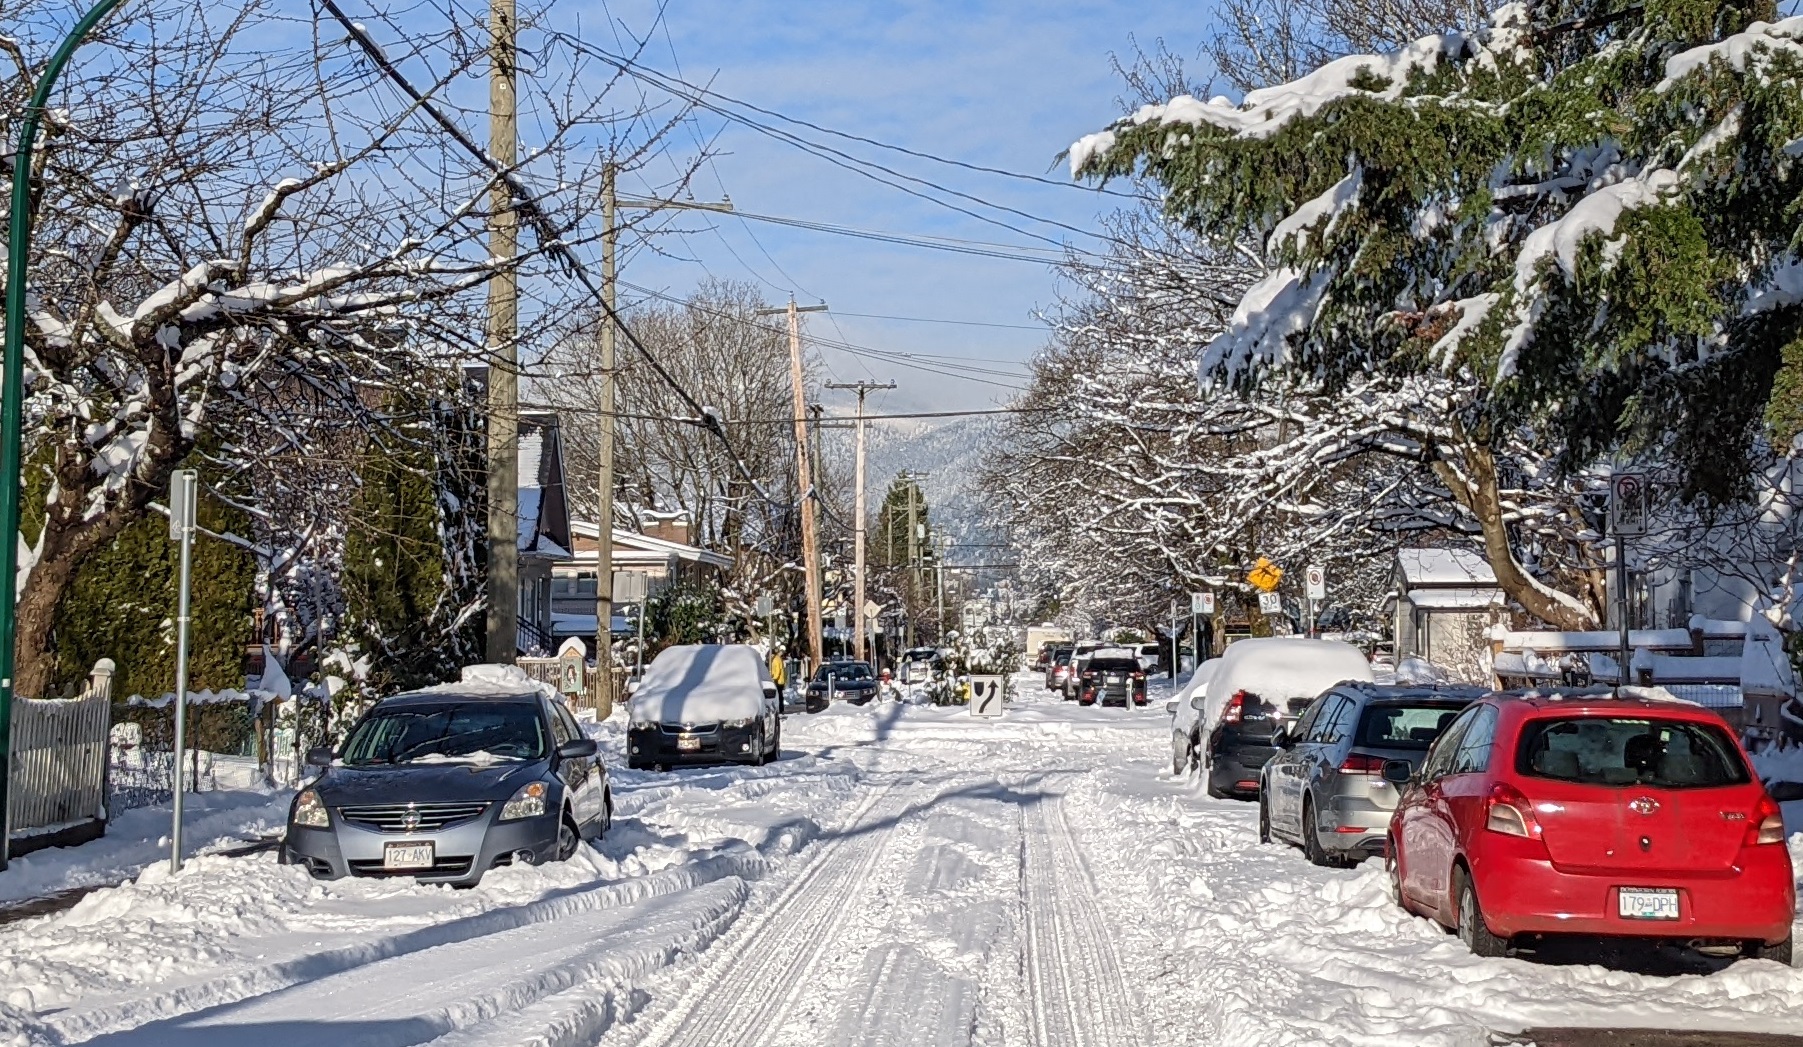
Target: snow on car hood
[701, 683]
[1281, 668]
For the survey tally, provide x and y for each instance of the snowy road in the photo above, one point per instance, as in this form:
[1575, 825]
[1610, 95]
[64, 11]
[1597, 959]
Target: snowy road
[902, 876]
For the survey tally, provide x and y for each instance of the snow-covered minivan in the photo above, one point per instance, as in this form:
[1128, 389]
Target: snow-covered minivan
[705, 703]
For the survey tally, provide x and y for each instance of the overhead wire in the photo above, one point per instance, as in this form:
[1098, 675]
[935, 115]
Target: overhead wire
[699, 97]
[550, 240]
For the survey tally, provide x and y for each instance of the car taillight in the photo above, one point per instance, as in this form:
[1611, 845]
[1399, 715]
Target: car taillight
[1508, 812]
[1358, 763]
[1767, 823]
[1139, 676]
[1236, 708]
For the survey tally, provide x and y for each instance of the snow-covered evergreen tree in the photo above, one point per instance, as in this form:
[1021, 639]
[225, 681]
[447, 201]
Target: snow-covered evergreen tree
[1581, 217]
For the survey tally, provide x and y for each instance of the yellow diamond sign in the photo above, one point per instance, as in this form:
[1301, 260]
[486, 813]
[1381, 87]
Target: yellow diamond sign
[1265, 575]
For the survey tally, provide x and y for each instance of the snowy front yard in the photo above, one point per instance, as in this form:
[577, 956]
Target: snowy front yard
[904, 875]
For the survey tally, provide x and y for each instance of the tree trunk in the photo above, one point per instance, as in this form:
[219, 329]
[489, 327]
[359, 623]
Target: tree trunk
[1477, 492]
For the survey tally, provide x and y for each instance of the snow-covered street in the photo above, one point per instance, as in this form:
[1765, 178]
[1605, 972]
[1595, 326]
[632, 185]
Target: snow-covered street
[905, 875]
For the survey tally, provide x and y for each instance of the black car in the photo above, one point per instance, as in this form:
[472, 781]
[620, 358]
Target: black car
[841, 682]
[1111, 677]
[445, 785]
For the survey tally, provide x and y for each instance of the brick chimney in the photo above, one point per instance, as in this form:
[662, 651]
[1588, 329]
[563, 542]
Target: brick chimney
[670, 527]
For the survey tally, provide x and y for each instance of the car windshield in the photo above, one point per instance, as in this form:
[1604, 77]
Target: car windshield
[475, 732]
[1404, 726]
[850, 671]
[1608, 750]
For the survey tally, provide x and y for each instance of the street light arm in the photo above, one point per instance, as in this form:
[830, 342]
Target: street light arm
[12, 393]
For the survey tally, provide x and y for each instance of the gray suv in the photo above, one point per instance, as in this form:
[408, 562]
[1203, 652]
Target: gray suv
[1325, 791]
[444, 785]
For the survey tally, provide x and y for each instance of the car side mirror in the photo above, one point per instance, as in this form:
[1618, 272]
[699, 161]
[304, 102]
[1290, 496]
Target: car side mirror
[1398, 772]
[319, 756]
[576, 749]
[1170, 707]
[1283, 739]
[1196, 702]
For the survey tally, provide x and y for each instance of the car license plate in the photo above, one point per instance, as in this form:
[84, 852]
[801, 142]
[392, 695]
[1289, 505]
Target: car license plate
[408, 856]
[687, 743]
[1648, 903]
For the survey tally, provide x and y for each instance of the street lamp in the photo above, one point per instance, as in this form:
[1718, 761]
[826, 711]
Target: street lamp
[12, 394]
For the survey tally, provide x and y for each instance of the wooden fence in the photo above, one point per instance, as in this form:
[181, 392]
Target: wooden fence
[59, 766]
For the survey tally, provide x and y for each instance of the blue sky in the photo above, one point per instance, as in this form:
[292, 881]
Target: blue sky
[1006, 84]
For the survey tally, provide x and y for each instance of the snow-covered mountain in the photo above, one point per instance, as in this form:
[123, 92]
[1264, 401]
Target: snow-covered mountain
[951, 455]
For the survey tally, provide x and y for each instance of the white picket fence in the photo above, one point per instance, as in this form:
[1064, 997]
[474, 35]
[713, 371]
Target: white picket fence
[59, 761]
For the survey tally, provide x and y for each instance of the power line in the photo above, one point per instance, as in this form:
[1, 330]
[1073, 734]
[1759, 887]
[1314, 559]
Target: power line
[960, 323]
[698, 96]
[899, 416]
[920, 154]
[549, 238]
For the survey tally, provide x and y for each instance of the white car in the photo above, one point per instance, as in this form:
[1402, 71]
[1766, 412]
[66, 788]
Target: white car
[1186, 714]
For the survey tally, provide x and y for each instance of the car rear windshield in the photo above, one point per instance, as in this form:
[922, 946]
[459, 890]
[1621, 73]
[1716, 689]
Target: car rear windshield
[462, 731]
[1609, 750]
[1404, 726]
[1113, 665]
[1063, 655]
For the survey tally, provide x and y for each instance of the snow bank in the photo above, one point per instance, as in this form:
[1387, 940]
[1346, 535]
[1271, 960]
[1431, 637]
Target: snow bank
[702, 683]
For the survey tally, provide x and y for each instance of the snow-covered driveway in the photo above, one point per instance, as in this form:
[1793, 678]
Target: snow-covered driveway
[904, 875]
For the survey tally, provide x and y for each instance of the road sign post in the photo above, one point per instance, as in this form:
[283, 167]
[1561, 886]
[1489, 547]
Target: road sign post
[1317, 593]
[986, 696]
[1629, 511]
[183, 494]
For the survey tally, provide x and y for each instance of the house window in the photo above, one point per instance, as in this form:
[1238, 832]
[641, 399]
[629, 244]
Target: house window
[572, 587]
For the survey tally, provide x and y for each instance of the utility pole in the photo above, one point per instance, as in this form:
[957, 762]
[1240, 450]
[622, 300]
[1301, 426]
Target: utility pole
[810, 554]
[503, 352]
[604, 523]
[857, 527]
[913, 550]
[604, 494]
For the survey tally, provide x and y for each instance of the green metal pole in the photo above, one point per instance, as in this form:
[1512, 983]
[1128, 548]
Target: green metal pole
[12, 392]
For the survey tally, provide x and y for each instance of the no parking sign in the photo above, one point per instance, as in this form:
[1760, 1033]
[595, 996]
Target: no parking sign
[985, 696]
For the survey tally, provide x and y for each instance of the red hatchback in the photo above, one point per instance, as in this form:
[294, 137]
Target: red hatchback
[1592, 815]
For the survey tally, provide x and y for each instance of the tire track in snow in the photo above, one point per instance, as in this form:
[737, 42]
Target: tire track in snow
[742, 995]
[1079, 997]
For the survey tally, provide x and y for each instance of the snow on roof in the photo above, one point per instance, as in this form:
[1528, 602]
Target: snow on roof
[491, 680]
[1462, 567]
[532, 448]
[1717, 628]
[701, 683]
[1455, 599]
[530, 497]
[635, 540]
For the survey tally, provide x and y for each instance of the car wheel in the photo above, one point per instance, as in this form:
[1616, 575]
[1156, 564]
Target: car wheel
[1393, 873]
[567, 838]
[1779, 953]
[1264, 819]
[1310, 831]
[607, 812]
[1179, 756]
[776, 744]
[1472, 929]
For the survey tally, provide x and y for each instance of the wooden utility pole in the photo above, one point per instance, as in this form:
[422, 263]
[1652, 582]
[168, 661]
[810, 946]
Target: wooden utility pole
[863, 389]
[503, 352]
[810, 552]
[604, 522]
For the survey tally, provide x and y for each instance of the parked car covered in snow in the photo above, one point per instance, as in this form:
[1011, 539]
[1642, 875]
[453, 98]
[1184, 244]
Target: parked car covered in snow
[1186, 717]
[705, 703]
[1262, 685]
[920, 664]
[1325, 790]
[1592, 814]
[445, 784]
